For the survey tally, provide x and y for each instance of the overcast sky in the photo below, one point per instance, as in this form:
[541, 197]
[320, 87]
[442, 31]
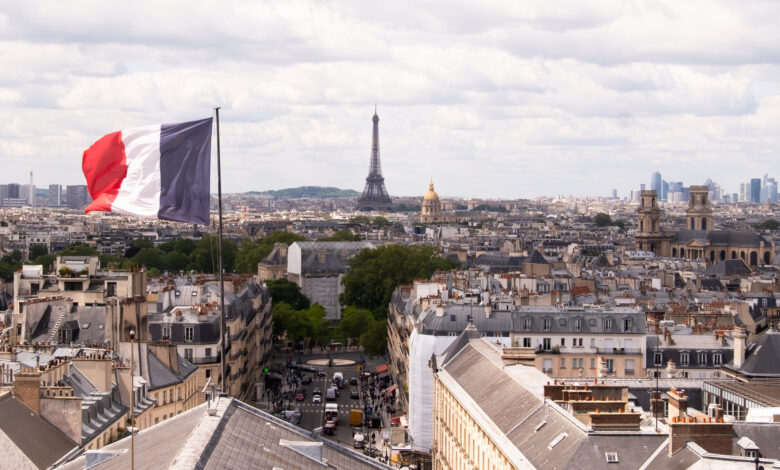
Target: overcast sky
[491, 98]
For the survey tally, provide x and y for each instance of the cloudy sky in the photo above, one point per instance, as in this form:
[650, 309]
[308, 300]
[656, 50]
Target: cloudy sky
[490, 98]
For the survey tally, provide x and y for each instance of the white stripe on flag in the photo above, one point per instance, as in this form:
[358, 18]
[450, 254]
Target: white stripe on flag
[140, 191]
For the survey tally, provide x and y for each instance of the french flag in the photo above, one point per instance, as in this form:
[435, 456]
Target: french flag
[159, 171]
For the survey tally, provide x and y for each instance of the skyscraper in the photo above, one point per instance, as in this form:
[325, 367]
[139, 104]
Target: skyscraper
[655, 183]
[77, 196]
[755, 190]
[55, 195]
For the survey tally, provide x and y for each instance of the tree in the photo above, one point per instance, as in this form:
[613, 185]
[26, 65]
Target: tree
[374, 274]
[768, 224]
[360, 220]
[78, 249]
[374, 340]
[380, 221]
[354, 322]
[252, 251]
[37, 249]
[299, 324]
[288, 292]
[110, 261]
[342, 236]
[205, 256]
[602, 220]
[138, 245]
[47, 261]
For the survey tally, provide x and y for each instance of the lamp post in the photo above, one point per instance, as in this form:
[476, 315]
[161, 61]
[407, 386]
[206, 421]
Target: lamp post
[132, 400]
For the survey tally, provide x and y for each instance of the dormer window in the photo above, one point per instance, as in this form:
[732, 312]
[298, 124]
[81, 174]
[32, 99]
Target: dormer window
[527, 324]
[628, 324]
[578, 324]
[547, 324]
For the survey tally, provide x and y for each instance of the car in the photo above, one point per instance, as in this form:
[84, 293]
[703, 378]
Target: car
[359, 440]
[354, 394]
[317, 391]
[329, 428]
[330, 395]
[306, 380]
[322, 373]
[316, 398]
[353, 381]
[300, 396]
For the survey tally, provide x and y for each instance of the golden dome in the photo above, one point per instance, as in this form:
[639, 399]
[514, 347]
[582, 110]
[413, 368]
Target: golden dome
[431, 194]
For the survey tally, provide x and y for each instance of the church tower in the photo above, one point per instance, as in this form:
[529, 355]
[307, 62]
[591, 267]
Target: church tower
[698, 216]
[648, 235]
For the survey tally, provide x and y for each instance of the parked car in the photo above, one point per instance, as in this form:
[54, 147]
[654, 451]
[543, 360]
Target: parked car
[330, 394]
[354, 394]
[358, 440]
[316, 398]
[353, 381]
[329, 428]
[301, 395]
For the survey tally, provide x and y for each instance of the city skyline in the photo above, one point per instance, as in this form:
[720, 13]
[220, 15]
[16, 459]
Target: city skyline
[533, 101]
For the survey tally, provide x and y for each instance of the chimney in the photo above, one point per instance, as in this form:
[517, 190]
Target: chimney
[27, 388]
[712, 435]
[488, 310]
[739, 346]
[678, 403]
[667, 337]
[321, 257]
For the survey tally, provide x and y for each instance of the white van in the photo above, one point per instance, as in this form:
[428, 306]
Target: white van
[332, 412]
[338, 378]
[330, 394]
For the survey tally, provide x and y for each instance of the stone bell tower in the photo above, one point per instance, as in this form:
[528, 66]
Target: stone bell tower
[698, 216]
[648, 235]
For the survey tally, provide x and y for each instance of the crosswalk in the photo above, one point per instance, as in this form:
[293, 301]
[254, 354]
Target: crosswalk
[309, 407]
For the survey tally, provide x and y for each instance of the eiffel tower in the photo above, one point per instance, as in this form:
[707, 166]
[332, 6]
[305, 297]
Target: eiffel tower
[375, 195]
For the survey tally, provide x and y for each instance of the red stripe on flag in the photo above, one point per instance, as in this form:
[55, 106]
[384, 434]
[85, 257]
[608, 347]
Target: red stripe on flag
[105, 166]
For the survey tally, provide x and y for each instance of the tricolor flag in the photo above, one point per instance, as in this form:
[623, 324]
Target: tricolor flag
[157, 171]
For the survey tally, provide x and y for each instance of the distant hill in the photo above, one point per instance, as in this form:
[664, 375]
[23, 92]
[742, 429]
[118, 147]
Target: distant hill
[309, 191]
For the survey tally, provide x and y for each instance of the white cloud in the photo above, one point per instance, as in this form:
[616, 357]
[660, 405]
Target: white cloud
[493, 99]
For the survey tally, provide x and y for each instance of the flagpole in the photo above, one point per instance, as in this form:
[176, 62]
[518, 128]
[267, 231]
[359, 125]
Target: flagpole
[223, 323]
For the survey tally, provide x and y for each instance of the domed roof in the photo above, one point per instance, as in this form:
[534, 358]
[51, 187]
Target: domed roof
[431, 194]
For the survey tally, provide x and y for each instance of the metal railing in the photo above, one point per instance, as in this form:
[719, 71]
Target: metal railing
[618, 351]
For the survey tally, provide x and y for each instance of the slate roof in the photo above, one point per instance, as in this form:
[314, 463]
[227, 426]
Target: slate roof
[161, 376]
[19, 423]
[536, 258]
[720, 237]
[729, 267]
[762, 358]
[456, 316]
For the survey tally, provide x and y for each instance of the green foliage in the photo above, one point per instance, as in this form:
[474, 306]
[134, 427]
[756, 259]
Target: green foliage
[360, 220]
[341, 236]
[355, 322]
[252, 251]
[380, 221]
[66, 272]
[15, 257]
[78, 249]
[311, 191]
[408, 208]
[376, 273]
[37, 249]
[288, 292]
[374, 340]
[489, 208]
[602, 220]
[768, 224]
[206, 254]
[47, 261]
[299, 324]
[7, 270]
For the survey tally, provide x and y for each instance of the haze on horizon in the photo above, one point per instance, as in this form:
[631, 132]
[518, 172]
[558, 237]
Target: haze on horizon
[491, 99]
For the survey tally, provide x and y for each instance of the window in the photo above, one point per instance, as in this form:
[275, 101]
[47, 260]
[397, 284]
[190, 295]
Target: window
[579, 362]
[610, 365]
[593, 342]
[612, 457]
[563, 342]
[717, 359]
[208, 373]
[527, 324]
[188, 354]
[189, 334]
[166, 332]
[592, 363]
[547, 367]
[562, 322]
[658, 358]
[452, 317]
[208, 352]
[685, 358]
[578, 324]
[578, 342]
[629, 367]
[607, 324]
[563, 363]
[628, 324]
[526, 342]
[701, 358]
[546, 344]
[547, 324]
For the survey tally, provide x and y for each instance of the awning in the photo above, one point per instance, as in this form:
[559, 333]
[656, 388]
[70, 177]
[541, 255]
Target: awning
[389, 389]
[381, 369]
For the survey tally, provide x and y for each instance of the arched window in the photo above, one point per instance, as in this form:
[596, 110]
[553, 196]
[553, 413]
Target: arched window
[704, 224]
[722, 255]
[733, 254]
[692, 227]
[641, 225]
[674, 252]
[766, 257]
[682, 252]
[712, 256]
[742, 254]
[652, 247]
[753, 258]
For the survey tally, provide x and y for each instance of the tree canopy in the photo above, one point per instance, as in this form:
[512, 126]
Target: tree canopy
[341, 236]
[768, 224]
[288, 292]
[252, 251]
[376, 273]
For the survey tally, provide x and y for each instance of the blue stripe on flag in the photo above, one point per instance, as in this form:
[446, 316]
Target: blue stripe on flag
[185, 168]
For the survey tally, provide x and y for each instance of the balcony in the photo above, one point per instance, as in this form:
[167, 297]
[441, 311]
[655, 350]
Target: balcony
[618, 351]
[547, 371]
[205, 359]
[630, 372]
